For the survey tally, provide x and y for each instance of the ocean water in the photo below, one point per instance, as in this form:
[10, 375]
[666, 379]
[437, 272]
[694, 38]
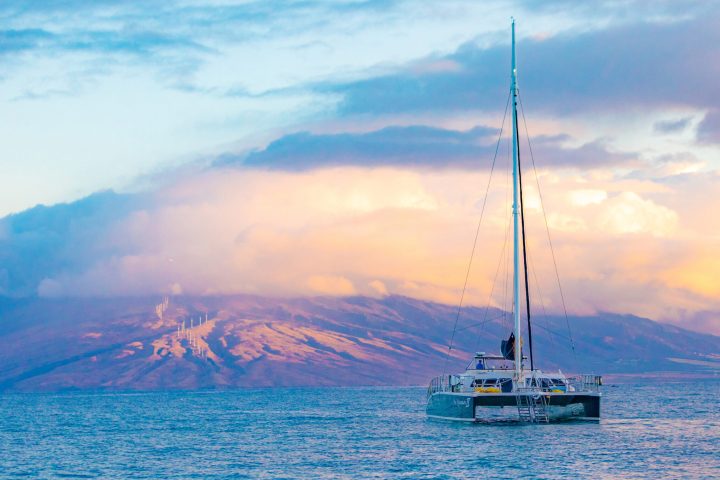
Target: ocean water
[648, 431]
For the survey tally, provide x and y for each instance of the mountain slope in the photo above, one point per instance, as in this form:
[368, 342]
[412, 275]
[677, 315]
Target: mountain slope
[251, 341]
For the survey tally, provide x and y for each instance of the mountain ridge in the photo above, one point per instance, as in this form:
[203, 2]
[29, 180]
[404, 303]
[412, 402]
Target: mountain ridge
[247, 341]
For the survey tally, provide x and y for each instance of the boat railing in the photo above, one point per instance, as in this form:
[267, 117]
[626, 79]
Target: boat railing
[580, 383]
[586, 383]
[439, 384]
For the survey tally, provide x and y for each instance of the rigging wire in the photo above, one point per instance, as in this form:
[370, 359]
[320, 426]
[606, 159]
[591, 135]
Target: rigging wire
[481, 323]
[492, 290]
[542, 302]
[504, 254]
[547, 229]
[477, 233]
[553, 332]
[507, 300]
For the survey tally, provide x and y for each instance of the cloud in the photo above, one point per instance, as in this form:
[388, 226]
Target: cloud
[187, 79]
[672, 164]
[379, 287]
[630, 213]
[407, 145]
[331, 285]
[419, 146]
[625, 66]
[552, 151]
[176, 39]
[66, 237]
[672, 126]
[585, 197]
[19, 40]
[622, 245]
[347, 204]
[139, 42]
[709, 129]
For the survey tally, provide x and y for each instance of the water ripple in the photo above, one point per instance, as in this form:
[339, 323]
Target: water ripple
[648, 431]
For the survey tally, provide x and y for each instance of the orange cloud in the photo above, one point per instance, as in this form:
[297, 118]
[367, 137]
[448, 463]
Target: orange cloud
[625, 246]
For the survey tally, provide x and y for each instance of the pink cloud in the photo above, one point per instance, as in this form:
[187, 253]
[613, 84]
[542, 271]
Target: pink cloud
[626, 246]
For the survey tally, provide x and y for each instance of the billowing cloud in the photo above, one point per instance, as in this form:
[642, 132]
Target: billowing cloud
[340, 201]
[622, 245]
[63, 237]
[630, 213]
[188, 79]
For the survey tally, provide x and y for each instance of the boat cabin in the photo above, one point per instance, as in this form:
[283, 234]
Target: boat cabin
[494, 374]
[485, 362]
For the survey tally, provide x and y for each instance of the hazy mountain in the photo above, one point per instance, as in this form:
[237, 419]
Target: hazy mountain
[250, 341]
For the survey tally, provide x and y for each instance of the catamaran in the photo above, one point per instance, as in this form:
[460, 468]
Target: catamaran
[499, 386]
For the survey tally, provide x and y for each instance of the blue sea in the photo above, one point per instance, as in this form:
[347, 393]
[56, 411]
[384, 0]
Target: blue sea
[653, 430]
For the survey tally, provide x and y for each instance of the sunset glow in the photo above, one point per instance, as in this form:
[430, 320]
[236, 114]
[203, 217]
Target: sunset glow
[312, 162]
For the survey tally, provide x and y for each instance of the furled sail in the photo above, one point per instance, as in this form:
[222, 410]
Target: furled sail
[507, 347]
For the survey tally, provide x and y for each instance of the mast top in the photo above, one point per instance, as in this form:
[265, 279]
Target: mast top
[513, 71]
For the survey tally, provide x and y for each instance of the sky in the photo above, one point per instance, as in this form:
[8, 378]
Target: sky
[341, 148]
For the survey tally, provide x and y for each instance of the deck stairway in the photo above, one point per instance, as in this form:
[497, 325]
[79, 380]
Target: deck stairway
[532, 408]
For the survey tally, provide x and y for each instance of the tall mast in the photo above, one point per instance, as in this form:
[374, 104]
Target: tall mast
[516, 219]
